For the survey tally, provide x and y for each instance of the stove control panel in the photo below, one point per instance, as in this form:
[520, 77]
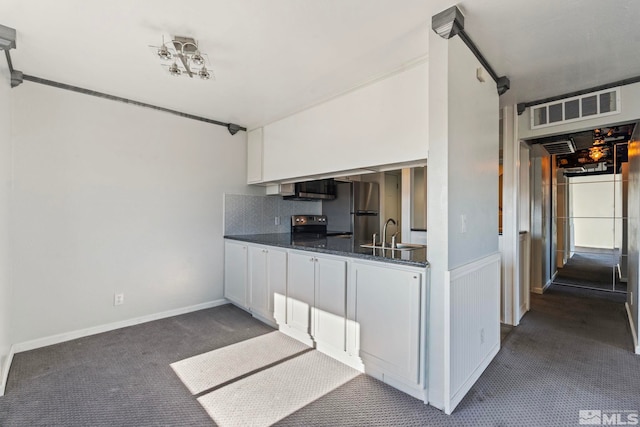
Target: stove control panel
[298, 220]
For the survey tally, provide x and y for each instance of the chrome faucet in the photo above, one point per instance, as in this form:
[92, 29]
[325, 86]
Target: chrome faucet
[384, 231]
[393, 239]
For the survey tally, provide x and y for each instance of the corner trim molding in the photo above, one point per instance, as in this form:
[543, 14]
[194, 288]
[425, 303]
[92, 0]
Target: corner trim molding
[5, 370]
[541, 290]
[475, 375]
[633, 328]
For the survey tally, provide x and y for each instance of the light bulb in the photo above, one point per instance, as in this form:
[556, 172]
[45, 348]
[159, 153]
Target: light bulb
[204, 74]
[164, 53]
[174, 70]
[197, 58]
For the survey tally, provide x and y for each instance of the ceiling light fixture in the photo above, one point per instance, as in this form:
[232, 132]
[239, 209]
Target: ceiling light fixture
[596, 153]
[204, 74]
[183, 57]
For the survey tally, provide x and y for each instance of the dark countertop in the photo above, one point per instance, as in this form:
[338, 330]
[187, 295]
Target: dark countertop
[337, 245]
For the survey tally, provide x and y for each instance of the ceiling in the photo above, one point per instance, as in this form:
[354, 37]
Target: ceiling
[271, 58]
[594, 151]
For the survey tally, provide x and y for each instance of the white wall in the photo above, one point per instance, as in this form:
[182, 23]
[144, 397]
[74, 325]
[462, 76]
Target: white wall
[634, 234]
[630, 111]
[473, 166]
[541, 236]
[463, 180]
[5, 188]
[596, 208]
[381, 123]
[114, 198]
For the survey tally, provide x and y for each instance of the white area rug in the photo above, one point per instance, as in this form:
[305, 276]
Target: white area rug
[208, 370]
[274, 393]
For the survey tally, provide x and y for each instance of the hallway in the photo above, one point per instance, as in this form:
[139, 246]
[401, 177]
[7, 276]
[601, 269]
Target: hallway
[592, 268]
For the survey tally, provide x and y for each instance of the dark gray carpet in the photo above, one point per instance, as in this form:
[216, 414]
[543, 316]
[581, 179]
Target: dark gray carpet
[592, 268]
[572, 351]
[122, 377]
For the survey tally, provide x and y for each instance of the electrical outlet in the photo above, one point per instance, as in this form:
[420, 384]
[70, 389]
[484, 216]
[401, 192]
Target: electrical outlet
[276, 221]
[118, 299]
[482, 336]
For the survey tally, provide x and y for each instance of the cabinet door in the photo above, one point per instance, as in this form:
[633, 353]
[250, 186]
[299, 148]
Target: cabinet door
[277, 284]
[329, 318]
[254, 156]
[387, 315]
[300, 291]
[258, 285]
[235, 273]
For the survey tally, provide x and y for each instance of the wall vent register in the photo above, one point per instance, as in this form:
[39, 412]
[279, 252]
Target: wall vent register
[587, 106]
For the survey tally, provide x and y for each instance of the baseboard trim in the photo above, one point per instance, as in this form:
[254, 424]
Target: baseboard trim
[464, 389]
[633, 328]
[67, 336]
[541, 290]
[5, 370]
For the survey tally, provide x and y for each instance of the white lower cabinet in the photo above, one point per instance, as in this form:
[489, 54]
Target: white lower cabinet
[370, 315]
[267, 283]
[385, 305]
[316, 309]
[330, 309]
[255, 279]
[235, 273]
[300, 292]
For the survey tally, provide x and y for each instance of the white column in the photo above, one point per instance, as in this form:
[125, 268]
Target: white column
[510, 217]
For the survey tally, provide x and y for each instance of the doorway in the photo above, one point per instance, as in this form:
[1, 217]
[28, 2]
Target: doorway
[584, 191]
[590, 225]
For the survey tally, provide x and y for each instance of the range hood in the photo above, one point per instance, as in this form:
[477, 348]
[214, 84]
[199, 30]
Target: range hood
[323, 189]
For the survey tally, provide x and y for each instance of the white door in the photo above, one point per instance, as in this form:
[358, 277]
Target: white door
[258, 283]
[387, 318]
[235, 273]
[300, 292]
[277, 284]
[330, 303]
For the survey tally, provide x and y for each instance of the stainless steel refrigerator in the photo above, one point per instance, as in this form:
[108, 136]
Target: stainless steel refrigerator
[354, 210]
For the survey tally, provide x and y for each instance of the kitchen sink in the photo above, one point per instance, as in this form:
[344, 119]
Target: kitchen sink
[409, 246]
[399, 247]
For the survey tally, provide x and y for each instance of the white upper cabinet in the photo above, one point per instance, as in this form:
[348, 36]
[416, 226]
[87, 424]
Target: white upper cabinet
[254, 156]
[382, 123]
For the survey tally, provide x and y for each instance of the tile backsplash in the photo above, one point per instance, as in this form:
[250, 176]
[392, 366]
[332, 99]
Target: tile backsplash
[248, 214]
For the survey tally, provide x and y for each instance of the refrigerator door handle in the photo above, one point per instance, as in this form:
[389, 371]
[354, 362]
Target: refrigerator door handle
[366, 213]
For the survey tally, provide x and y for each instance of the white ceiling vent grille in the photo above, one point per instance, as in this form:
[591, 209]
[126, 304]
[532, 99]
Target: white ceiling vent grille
[560, 147]
[588, 106]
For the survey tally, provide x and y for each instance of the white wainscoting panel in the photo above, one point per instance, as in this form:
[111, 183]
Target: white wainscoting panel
[474, 325]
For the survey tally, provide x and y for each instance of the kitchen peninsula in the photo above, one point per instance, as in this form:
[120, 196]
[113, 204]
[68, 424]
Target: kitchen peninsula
[338, 245]
[364, 307]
